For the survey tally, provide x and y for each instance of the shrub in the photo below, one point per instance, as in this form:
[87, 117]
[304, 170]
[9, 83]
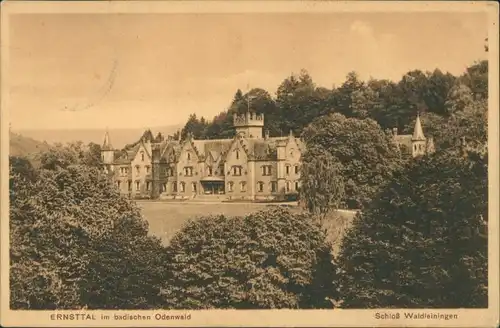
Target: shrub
[269, 259]
[423, 243]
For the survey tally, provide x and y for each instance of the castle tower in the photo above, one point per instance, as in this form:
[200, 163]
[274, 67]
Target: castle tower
[107, 151]
[418, 139]
[249, 124]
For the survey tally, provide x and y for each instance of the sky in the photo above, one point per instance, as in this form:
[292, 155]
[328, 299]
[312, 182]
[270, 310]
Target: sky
[84, 71]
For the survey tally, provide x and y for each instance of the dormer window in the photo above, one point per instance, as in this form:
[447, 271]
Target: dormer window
[142, 156]
[237, 154]
[236, 170]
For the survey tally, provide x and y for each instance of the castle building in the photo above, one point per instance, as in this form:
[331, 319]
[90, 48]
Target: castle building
[250, 166]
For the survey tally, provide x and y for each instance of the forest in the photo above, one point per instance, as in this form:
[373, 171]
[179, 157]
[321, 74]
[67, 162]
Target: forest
[298, 101]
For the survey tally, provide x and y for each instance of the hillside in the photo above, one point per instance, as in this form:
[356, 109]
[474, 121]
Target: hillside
[119, 137]
[20, 145]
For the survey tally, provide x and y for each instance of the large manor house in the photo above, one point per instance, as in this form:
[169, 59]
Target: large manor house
[250, 166]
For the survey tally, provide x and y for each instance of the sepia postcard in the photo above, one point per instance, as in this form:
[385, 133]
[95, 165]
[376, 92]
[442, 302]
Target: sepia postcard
[249, 164]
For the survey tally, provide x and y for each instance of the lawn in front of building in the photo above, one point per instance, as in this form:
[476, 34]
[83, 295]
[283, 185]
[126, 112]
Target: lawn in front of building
[167, 218]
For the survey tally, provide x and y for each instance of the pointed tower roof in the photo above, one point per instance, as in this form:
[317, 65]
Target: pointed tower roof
[418, 133]
[107, 144]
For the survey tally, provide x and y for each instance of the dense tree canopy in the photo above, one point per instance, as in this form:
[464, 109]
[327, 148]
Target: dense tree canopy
[423, 242]
[365, 155]
[298, 101]
[75, 242]
[269, 259]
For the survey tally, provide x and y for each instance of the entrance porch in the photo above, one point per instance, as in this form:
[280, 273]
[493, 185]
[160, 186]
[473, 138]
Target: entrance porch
[213, 186]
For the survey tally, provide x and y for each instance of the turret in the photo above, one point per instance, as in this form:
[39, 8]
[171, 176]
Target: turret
[107, 151]
[418, 139]
[249, 124]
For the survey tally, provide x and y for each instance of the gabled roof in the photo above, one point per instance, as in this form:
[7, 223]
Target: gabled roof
[128, 155]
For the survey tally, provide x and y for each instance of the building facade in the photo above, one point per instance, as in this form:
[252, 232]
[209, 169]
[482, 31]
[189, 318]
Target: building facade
[250, 166]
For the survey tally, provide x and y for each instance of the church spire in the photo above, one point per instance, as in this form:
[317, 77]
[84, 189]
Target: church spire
[107, 143]
[418, 133]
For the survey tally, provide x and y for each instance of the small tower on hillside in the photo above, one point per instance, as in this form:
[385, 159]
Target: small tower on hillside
[418, 139]
[107, 151]
[249, 124]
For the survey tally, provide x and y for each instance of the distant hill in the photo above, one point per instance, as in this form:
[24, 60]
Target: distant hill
[20, 145]
[119, 137]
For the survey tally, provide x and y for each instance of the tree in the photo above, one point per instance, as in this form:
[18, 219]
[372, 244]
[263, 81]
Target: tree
[297, 102]
[423, 242]
[459, 97]
[194, 126]
[476, 78]
[75, 242]
[270, 259]
[367, 155]
[322, 185]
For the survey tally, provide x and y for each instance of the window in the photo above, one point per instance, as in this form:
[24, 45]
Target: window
[188, 171]
[142, 156]
[130, 186]
[137, 186]
[237, 154]
[243, 186]
[209, 171]
[193, 186]
[183, 187]
[170, 172]
[221, 169]
[163, 187]
[296, 169]
[260, 186]
[148, 186]
[274, 186]
[118, 183]
[138, 169]
[174, 186]
[297, 185]
[287, 169]
[236, 170]
[189, 156]
[147, 169]
[287, 186]
[230, 186]
[266, 170]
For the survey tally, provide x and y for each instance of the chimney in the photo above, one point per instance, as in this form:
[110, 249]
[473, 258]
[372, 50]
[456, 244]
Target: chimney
[266, 135]
[395, 131]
